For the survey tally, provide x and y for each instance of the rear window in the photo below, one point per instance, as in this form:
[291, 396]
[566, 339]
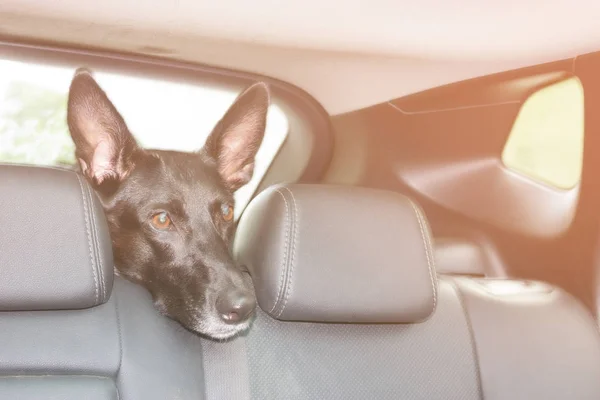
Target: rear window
[160, 114]
[546, 141]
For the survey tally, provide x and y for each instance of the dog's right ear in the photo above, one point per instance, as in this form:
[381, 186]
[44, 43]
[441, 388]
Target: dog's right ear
[104, 146]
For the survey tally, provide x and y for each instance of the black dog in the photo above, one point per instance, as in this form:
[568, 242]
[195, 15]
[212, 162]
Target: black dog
[170, 213]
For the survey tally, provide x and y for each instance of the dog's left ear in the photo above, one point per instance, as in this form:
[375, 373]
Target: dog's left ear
[235, 140]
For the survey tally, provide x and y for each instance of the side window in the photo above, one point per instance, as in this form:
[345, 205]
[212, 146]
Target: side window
[160, 114]
[546, 141]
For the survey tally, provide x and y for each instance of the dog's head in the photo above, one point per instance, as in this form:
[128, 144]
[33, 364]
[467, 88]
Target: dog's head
[170, 213]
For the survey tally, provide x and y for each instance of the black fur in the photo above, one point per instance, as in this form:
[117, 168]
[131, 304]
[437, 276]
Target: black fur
[186, 266]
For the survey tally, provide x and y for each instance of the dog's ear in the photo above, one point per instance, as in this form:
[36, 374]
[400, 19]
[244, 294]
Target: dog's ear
[104, 146]
[237, 137]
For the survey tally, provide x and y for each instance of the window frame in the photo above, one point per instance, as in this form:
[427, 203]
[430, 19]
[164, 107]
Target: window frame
[308, 123]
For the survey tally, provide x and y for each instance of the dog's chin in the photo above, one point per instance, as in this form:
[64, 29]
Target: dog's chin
[210, 327]
[220, 331]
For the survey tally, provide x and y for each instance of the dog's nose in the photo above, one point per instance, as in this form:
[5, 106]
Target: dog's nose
[235, 307]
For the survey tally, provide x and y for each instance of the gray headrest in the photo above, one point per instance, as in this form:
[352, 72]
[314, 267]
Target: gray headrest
[56, 250]
[338, 254]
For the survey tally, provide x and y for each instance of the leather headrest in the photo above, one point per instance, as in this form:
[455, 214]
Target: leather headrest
[326, 253]
[56, 250]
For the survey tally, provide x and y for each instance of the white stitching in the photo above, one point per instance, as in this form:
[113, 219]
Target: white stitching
[120, 330]
[96, 244]
[87, 228]
[291, 276]
[428, 248]
[93, 242]
[285, 253]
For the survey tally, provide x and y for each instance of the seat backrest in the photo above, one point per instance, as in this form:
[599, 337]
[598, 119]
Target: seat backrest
[351, 307]
[68, 329]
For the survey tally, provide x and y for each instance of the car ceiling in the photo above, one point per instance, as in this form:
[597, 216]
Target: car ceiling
[348, 55]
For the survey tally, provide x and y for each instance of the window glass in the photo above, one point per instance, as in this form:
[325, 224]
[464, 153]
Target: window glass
[546, 141]
[160, 114]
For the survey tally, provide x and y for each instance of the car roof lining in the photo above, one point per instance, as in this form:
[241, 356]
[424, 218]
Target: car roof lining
[346, 57]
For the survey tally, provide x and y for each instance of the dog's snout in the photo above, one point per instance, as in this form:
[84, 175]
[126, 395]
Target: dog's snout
[235, 306]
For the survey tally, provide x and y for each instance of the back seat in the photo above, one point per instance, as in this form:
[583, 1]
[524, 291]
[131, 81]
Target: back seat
[351, 307]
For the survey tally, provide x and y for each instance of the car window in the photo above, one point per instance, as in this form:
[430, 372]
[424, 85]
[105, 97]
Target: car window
[546, 141]
[160, 114]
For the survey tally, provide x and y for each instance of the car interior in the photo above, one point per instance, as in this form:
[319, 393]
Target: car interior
[422, 222]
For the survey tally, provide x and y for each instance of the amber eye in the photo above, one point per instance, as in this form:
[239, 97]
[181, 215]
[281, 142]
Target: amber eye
[161, 221]
[227, 212]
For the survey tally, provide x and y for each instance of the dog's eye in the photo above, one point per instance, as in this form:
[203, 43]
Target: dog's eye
[227, 212]
[161, 221]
